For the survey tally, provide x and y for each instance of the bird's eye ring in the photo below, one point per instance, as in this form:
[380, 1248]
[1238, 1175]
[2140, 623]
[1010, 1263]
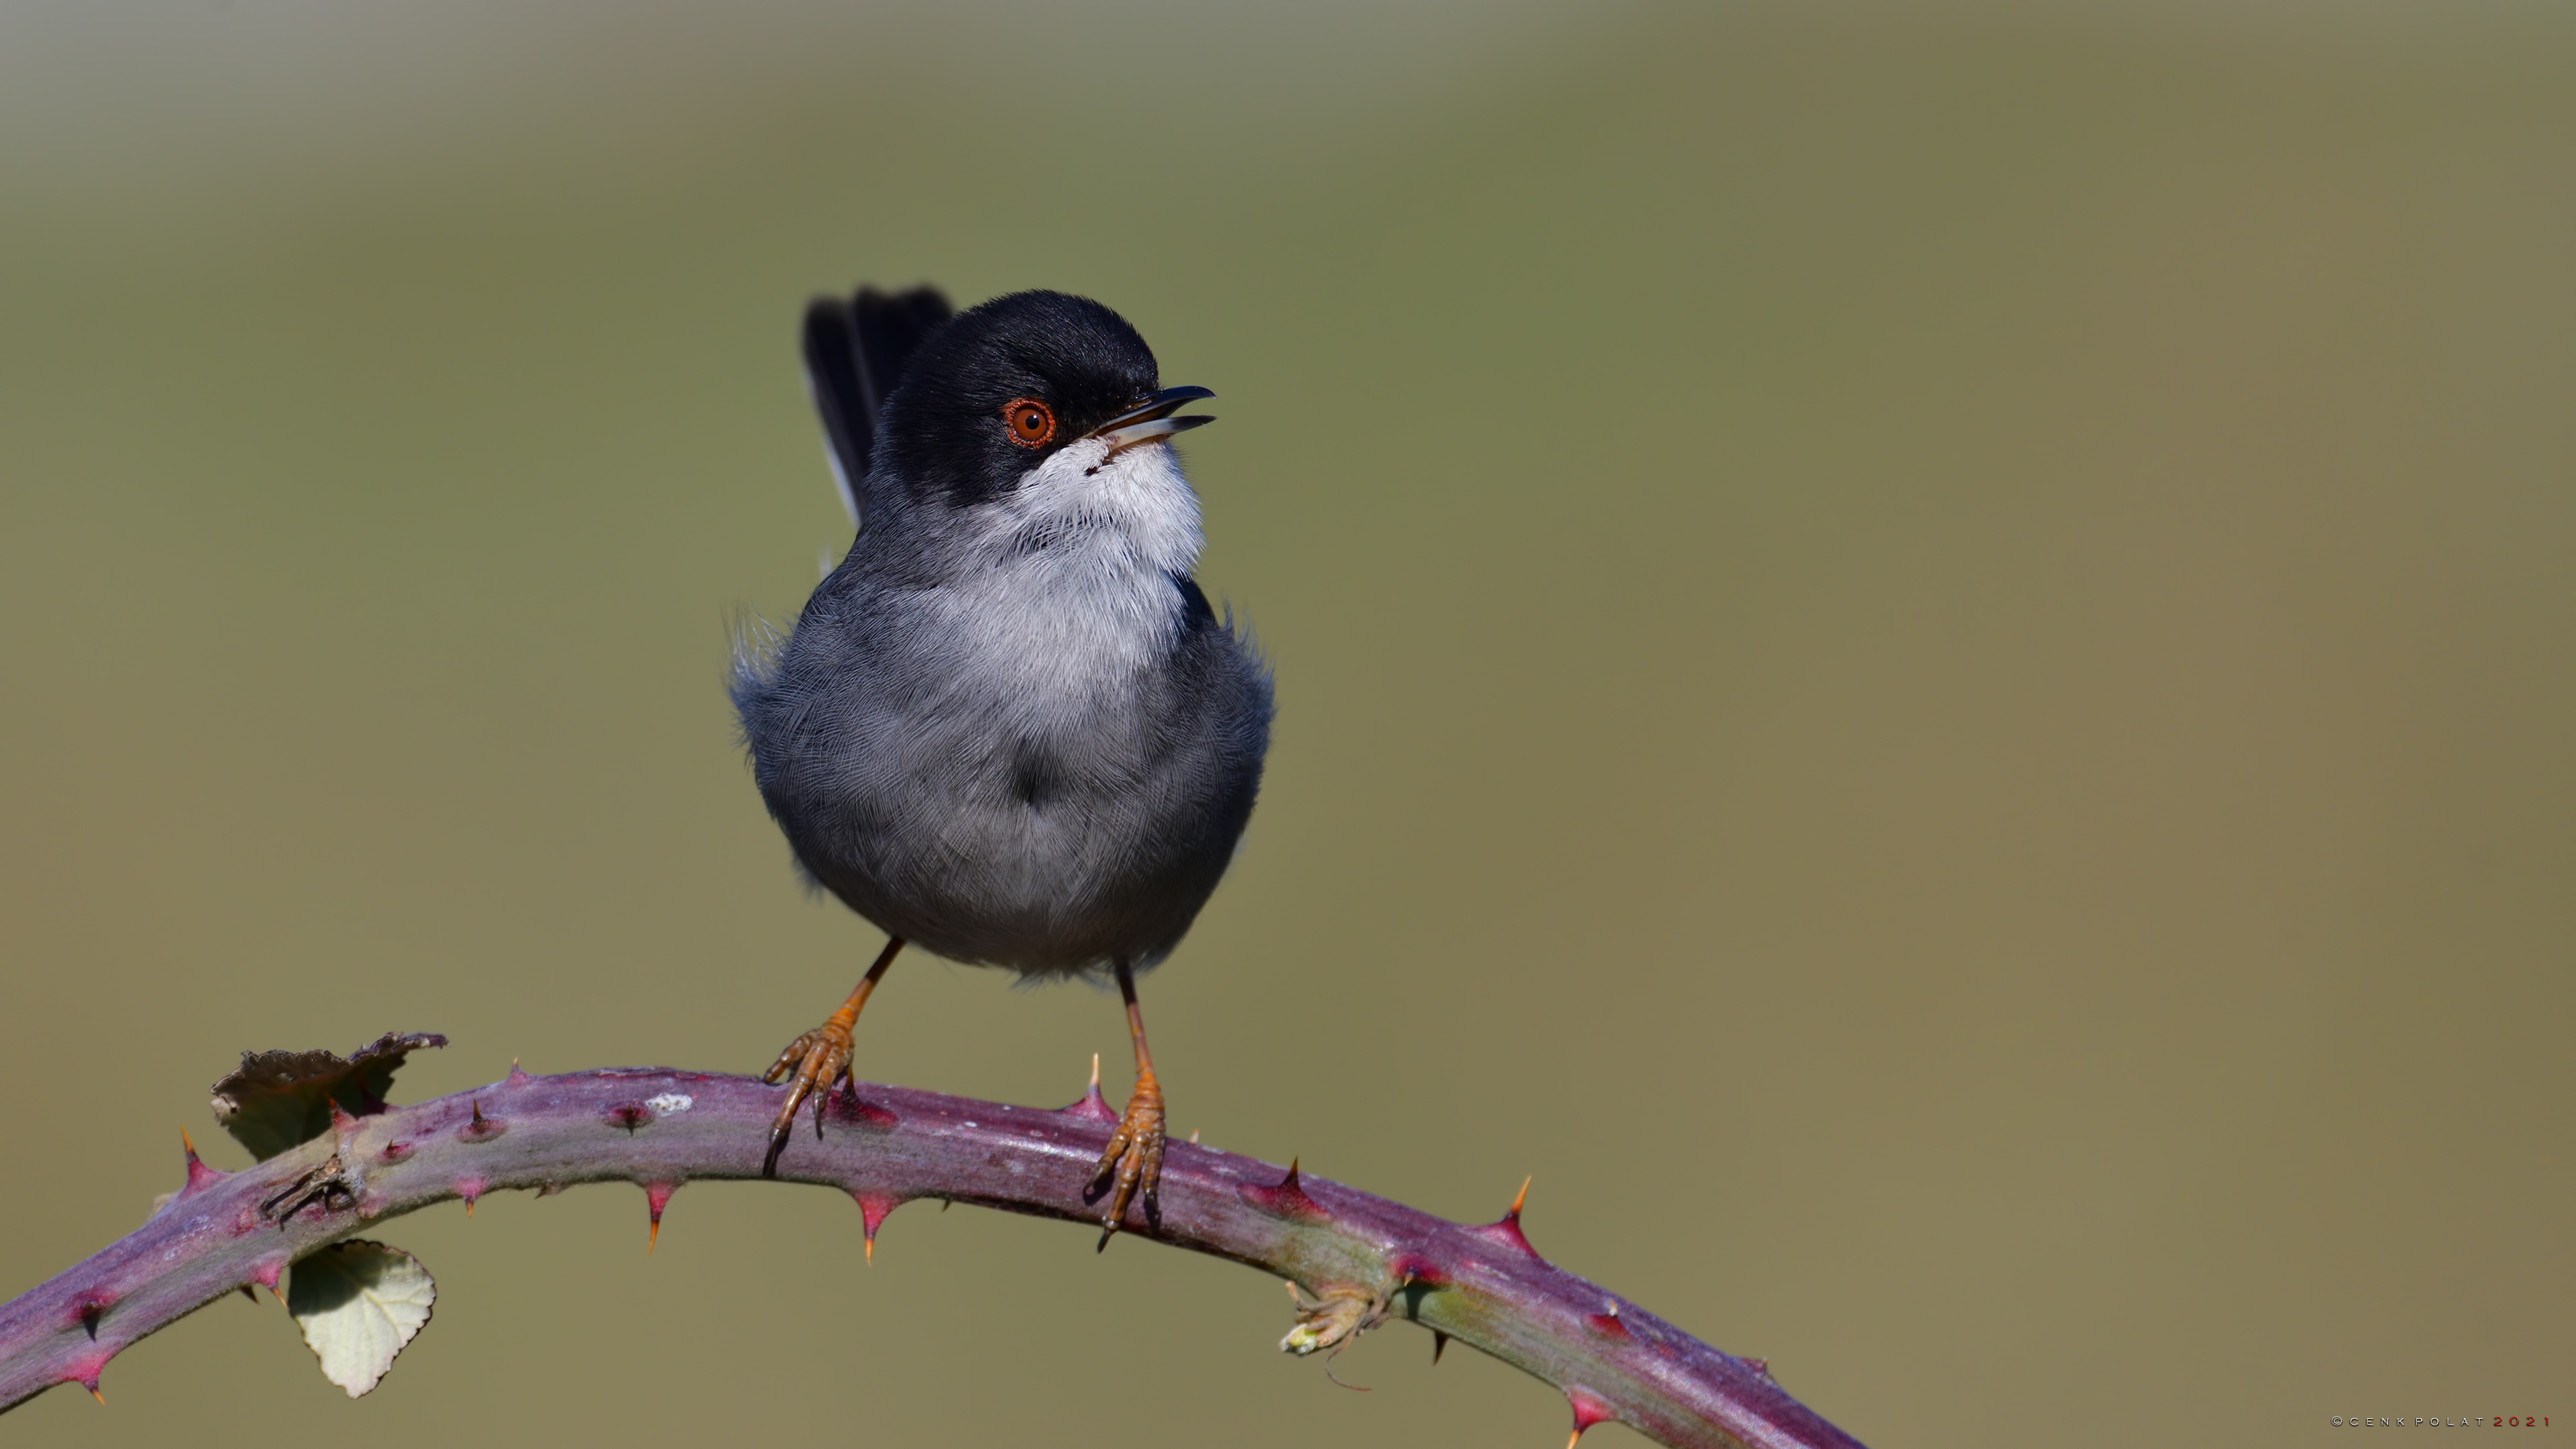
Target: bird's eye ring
[1029, 421]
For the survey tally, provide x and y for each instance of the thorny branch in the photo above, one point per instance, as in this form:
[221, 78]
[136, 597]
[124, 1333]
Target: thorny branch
[1360, 1259]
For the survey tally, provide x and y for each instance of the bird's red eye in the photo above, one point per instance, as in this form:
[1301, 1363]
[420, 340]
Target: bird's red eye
[1030, 422]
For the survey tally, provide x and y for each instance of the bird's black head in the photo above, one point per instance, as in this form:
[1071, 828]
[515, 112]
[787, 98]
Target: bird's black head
[1006, 385]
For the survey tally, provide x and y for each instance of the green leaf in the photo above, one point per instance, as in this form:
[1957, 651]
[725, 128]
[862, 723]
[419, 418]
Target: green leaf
[276, 1100]
[359, 1303]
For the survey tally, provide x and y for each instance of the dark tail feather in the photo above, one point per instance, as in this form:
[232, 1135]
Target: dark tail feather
[854, 355]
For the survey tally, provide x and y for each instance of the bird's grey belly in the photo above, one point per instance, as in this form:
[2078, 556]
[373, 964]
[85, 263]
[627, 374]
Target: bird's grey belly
[1047, 852]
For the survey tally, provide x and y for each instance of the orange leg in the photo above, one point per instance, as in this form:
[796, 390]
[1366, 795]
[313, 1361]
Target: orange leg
[818, 1061]
[1131, 1166]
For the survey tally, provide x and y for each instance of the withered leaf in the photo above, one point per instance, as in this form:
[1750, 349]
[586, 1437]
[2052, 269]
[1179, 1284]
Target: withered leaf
[276, 1100]
[359, 1303]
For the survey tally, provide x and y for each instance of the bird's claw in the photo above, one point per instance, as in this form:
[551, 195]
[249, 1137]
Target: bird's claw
[1131, 1166]
[811, 1066]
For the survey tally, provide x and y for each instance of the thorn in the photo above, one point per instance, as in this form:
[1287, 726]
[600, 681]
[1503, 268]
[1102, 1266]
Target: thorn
[469, 1188]
[84, 1371]
[1408, 1270]
[273, 1293]
[1507, 1229]
[1760, 1366]
[1287, 1200]
[869, 1114]
[266, 1276]
[517, 1077]
[249, 1293]
[1588, 1411]
[656, 1195]
[342, 1124]
[1194, 1137]
[945, 1204]
[1439, 1346]
[481, 1128]
[873, 1207]
[1091, 1104]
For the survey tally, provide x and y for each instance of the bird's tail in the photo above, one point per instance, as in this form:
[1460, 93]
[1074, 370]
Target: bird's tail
[855, 351]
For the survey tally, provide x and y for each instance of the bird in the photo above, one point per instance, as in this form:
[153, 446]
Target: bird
[1008, 728]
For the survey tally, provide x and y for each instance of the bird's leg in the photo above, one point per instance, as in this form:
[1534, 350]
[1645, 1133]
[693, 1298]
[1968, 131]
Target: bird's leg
[1132, 1164]
[819, 1060]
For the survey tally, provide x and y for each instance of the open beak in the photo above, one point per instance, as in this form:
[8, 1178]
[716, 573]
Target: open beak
[1151, 421]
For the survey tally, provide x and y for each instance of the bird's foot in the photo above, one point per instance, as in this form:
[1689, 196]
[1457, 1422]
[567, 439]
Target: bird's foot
[811, 1066]
[1131, 1166]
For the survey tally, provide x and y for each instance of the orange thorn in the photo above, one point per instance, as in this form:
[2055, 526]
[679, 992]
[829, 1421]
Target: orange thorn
[187, 1142]
[1520, 1197]
[469, 1207]
[1095, 1071]
[873, 1210]
[1570, 1438]
[273, 1293]
[1194, 1137]
[95, 1394]
[869, 1252]
[657, 1196]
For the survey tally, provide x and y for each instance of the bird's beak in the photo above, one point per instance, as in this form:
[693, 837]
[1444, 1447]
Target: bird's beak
[1151, 420]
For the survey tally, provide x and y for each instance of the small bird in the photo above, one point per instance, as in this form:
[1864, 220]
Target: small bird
[1007, 728]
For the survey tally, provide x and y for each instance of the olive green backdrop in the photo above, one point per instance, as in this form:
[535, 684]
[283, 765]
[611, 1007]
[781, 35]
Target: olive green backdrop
[1924, 656]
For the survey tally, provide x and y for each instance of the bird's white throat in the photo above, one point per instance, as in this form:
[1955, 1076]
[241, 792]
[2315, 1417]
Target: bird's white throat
[1095, 502]
[1072, 589]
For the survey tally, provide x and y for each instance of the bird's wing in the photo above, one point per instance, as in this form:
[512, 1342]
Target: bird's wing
[854, 353]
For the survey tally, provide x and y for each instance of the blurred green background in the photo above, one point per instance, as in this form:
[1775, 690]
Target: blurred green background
[1925, 659]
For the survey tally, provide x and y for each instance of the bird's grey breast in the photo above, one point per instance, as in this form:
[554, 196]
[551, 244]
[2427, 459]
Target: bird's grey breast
[1033, 762]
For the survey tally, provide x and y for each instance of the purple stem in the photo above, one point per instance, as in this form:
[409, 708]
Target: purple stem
[1365, 1256]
